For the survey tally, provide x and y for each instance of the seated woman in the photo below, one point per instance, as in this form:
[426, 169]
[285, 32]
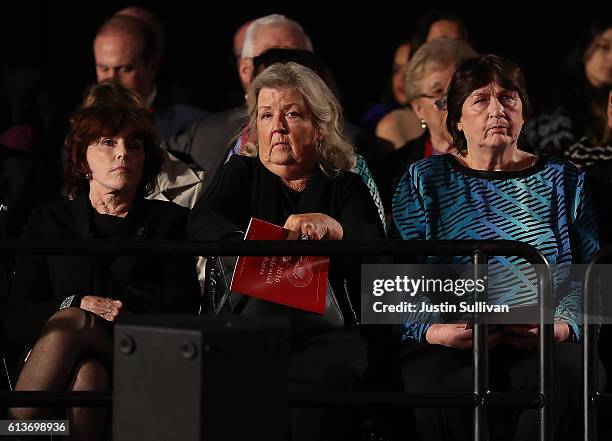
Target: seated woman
[489, 189]
[297, 177]
[65, 305]
[427, 76]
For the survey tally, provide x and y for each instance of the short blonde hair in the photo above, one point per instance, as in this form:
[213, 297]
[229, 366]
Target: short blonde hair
[438, 54]
[335, 153]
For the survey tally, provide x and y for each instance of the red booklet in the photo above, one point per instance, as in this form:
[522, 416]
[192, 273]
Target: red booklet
[300, 282]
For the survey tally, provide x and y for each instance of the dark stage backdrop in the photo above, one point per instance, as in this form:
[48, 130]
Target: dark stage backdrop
[49, 43]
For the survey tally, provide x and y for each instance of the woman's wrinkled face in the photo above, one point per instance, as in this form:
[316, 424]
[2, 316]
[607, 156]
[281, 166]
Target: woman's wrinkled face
[598, 66]
[430, 105]
[491, 117]
[286, 133]
[115, 163]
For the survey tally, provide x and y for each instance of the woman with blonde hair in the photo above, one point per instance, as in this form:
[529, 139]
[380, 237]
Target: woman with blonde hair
[297, 176]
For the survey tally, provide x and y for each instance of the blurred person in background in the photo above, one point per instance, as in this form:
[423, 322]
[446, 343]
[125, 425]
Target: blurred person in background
[209, 141]
[572, 121]
[402, 125]
[427, 77]
[126, 49]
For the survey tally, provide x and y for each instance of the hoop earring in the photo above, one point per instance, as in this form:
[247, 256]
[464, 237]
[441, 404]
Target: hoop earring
[423, 124]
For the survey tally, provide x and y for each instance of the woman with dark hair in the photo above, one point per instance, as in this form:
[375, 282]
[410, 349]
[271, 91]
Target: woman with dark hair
[490, 189]
[62, 307]
[572, 124]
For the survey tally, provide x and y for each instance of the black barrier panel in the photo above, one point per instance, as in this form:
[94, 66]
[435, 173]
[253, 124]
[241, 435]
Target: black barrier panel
[597, 284]
[477, 249]
[180, 377]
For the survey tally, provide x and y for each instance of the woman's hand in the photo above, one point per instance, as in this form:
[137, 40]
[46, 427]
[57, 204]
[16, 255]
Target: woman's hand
[317, 226]
[106, 308]
[455, 335]
[527, 336]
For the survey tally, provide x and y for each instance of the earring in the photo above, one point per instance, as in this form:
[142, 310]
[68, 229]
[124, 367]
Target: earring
[423, 124]
[88, 176]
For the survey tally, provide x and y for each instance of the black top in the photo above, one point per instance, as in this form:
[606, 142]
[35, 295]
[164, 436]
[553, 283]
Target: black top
[143, 284]
[244, 188]
[599, 177]
[393, 166]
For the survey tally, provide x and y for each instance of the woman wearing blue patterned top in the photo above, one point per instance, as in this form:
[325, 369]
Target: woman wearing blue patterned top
[489, 189]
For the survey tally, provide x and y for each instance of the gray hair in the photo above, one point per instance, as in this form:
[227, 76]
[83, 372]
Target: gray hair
[335, 153]
[438, 54]
[248, 48]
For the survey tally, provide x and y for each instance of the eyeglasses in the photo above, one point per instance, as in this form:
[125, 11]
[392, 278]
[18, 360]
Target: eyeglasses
[440, 101]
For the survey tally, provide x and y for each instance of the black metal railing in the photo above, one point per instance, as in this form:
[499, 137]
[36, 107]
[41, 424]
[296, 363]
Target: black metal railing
[480, 399]
[592, 399]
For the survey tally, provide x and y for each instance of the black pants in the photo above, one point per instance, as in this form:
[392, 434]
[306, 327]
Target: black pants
[439, 369]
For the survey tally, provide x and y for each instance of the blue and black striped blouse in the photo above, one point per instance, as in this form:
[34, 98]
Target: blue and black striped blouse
[545, 205]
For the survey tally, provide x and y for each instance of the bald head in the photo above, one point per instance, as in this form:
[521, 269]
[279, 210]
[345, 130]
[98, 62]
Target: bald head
[154, 23]
[125, 51]
[265, 33]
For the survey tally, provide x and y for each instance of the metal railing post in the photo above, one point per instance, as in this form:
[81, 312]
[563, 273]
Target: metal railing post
[480, 354]
[592, 400]
[546, 352]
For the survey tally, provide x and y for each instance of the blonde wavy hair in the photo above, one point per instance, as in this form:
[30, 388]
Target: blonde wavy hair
[435, 55]
[335, 153]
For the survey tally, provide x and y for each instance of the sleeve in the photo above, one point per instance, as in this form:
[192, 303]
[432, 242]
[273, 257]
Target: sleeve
[223, 210]
[409, 217]
[362, 169]
[584, 243]
[31, 302]
[409, 223]
[359, 217]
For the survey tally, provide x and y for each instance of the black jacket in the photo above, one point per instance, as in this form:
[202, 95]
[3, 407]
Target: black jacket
[244, 188]
[143, 284]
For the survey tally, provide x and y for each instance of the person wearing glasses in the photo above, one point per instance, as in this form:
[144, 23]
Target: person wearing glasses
[490, 189]
[427, 76]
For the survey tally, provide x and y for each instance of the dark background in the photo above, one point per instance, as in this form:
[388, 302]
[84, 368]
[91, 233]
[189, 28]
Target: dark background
[356, 39]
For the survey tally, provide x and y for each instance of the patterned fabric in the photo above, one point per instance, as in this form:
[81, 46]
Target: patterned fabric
[582, 154]
[361, 168]
[550, 134]
[545, 206]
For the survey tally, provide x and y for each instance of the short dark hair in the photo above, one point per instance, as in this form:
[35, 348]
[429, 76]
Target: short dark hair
[419, 37]
[107, 112]
[474, 74]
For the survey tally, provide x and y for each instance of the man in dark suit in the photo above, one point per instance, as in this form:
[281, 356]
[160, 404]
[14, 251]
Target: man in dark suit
[210, 141]
[126, 49]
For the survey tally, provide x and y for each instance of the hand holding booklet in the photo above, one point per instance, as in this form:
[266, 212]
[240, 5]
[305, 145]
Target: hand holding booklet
[298, 282]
